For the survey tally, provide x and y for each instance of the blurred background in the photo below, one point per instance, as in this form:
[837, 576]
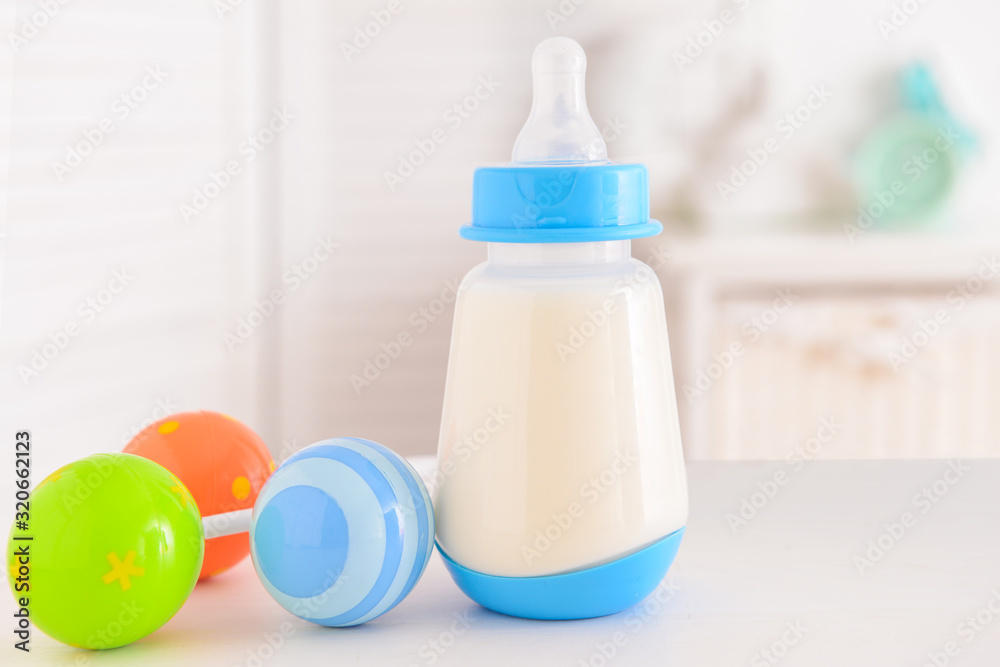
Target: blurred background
[240, 205]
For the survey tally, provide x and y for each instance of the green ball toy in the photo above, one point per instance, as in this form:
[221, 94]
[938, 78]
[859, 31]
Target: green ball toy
[116, 546]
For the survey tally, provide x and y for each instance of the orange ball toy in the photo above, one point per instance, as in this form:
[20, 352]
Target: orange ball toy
[223, 464]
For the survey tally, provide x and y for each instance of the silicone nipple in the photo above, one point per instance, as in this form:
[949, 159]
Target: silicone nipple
[559, 129]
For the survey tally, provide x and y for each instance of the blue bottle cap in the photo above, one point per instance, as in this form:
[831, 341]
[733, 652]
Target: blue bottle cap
[560, 187]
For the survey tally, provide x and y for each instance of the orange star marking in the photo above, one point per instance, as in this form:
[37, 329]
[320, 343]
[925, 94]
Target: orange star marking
[122, 570]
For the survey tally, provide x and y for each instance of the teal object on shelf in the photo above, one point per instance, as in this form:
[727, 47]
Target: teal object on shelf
[909, 164]
[596, 591]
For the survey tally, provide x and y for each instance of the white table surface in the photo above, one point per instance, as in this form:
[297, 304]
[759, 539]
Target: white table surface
[735, 593]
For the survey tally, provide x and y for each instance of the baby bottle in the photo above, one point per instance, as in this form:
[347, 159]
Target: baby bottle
[561, 487]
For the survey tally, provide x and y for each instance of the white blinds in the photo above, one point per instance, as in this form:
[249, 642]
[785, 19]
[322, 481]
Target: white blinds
[114, 308]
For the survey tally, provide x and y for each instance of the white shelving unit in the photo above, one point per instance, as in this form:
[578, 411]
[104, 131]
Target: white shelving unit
[839, 350]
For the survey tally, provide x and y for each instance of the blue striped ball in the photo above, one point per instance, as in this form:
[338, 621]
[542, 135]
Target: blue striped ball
[342, 531]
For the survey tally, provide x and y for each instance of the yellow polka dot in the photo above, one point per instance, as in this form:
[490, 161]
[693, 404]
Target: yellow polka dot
[241, 488]
[168, 427]
[271, 466]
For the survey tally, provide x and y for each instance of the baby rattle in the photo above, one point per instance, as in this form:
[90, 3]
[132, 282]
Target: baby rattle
[339, 534]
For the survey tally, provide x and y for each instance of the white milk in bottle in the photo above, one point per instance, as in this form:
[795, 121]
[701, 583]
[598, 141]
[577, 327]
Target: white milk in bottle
[561, 485]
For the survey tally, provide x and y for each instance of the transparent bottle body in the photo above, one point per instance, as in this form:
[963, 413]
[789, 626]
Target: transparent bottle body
[560, 444]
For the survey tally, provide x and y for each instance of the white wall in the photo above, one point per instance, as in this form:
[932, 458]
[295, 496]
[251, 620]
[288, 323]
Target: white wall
[156, 344]
[399, 248]
[163, 337]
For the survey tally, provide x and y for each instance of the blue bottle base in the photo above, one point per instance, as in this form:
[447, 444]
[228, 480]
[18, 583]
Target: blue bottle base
[597, 591]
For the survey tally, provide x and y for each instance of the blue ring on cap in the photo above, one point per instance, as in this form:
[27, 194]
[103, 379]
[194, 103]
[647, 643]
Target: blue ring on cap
[560, 204]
